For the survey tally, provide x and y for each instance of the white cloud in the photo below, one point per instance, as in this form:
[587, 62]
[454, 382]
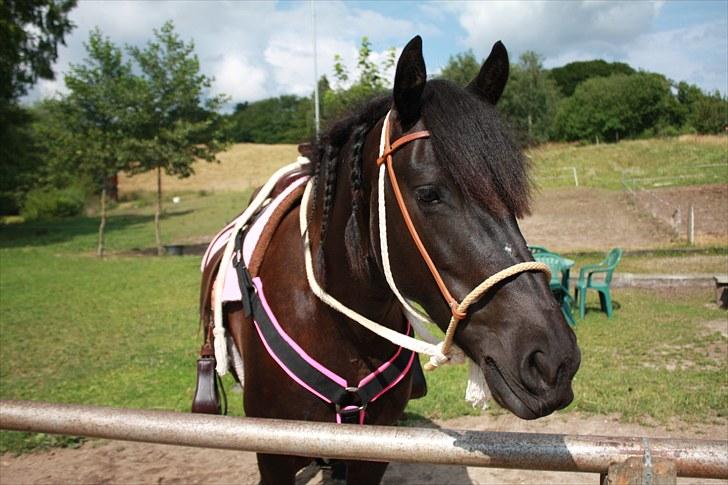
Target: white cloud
[552, 27]
[252, 49]
[239, 79]
[680, 54]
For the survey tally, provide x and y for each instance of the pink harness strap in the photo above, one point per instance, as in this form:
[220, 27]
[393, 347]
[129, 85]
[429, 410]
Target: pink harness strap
[340, 381]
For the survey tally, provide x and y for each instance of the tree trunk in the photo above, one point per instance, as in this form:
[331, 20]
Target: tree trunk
[158, 213]
[102, 224]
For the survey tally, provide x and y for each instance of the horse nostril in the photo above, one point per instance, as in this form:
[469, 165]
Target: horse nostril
[538, 373]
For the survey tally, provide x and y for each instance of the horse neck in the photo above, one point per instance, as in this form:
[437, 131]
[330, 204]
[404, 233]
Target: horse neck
[366, 291]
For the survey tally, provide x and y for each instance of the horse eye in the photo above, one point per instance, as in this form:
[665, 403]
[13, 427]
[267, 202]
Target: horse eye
[427, 194]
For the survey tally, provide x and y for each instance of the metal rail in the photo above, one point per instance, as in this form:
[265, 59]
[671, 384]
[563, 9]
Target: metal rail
[693, 458]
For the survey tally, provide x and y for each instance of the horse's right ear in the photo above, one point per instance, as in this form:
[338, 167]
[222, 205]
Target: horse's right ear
[491, 80]
[409, 82]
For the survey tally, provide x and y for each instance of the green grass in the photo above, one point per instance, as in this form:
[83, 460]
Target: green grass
[130, 225]
[655, 359]
[664, 161]
[666, 261]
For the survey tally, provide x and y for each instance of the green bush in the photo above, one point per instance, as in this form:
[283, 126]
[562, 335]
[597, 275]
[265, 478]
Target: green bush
[47, 203]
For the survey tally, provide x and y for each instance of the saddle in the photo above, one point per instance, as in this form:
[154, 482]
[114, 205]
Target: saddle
[285, 195]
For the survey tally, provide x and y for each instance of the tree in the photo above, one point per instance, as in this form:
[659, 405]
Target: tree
[617, 107]
[101, 109]
[530, 99]
[30, 31]
[175, 125]
[283, 119]
[372, 80]
[568, 77]
[461, 68]
[703, 113]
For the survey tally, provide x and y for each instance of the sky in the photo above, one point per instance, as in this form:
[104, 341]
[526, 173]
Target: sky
[255, 49]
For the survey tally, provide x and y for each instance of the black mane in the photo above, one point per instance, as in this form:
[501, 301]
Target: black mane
[471, 143]
[474, 145]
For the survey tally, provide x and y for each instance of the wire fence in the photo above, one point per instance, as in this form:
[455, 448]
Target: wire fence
[644, 194]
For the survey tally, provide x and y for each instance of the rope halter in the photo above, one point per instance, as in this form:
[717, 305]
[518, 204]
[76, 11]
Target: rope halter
[458, 309]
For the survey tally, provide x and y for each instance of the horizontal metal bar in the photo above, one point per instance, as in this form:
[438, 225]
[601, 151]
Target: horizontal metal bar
[693, 458]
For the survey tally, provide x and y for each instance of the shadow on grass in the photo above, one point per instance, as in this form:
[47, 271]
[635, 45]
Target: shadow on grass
[54, 231]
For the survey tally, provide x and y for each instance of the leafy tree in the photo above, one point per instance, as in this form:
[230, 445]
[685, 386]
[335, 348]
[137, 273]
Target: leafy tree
[568, 77]
[175, 124]
[617, 107]
[461, 68]
[372, 80]
[709, 113]
[18, 160]
[30, 31]
[101, 109]
[530, 99]
[283, 119]
[703, 113]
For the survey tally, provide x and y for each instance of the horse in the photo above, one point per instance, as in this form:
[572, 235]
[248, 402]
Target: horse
[461, 183]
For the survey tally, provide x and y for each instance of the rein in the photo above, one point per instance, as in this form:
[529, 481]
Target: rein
[442, 352]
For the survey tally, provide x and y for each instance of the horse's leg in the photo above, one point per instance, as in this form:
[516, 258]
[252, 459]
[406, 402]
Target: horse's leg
[365, 472]
[279, 469]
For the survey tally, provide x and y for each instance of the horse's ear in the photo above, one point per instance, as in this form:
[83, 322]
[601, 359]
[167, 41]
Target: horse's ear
[409, 81]
[491, 80]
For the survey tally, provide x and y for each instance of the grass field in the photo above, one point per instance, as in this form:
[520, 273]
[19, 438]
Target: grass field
[123, 331]
[654, 162]
[698, 160]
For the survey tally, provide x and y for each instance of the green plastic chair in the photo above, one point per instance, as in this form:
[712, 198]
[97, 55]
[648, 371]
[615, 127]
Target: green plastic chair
[586, 281]
[559, 283]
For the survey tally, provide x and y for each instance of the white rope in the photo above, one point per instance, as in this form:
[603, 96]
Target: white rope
[221, 351]
[396, 338]
[418, 320]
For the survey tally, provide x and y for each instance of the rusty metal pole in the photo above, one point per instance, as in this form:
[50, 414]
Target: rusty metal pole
[692, 458]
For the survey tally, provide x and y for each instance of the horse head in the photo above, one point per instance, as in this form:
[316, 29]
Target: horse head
[464, 185]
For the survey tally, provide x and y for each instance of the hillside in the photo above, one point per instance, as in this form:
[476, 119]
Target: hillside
[686, 160]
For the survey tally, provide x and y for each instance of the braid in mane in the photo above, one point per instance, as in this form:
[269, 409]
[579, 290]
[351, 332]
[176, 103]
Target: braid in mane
[328, 154]
[352, 233]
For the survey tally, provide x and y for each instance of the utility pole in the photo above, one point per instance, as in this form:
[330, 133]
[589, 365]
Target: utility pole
[315, 72]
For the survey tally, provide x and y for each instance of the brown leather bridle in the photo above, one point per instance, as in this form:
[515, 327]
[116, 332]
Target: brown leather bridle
[386, 157]
[457, 308]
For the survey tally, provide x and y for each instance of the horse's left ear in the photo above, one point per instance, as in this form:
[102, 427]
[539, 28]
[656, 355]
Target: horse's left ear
[491, 80]
[409, 82]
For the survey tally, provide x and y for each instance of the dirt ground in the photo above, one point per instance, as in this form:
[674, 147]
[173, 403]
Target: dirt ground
[574, 218]
[671, 205]
[120, 462]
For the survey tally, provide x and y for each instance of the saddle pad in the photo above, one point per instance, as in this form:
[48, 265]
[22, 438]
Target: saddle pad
[256, 238]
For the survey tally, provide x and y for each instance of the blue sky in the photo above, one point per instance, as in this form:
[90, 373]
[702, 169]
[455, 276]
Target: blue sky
[259, 49]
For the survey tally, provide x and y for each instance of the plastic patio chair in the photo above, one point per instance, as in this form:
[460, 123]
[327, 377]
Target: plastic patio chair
[586, 281]
[559, 283]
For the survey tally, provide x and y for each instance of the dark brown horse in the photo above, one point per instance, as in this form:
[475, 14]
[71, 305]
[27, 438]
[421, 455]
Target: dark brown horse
[464, 187]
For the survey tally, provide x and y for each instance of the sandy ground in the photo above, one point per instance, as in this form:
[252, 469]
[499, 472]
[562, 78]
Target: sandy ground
[126, 462]
[574, 218]
[671, 205]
